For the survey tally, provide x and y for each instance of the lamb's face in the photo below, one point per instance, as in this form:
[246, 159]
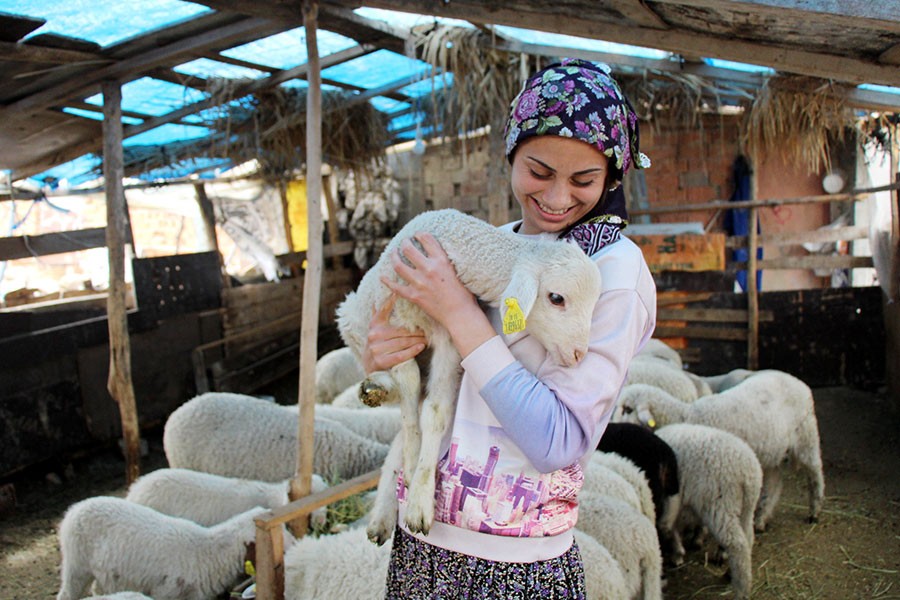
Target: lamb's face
[634, 406]
[567, 292]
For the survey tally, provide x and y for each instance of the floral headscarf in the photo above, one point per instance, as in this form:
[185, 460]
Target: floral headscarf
[578, 99]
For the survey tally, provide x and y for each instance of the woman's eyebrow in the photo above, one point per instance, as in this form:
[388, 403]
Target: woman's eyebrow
[549, 168]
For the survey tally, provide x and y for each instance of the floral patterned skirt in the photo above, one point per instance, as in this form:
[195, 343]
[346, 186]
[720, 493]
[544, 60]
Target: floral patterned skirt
[421, 571]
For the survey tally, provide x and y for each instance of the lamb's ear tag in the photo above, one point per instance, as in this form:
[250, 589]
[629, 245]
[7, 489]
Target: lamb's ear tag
[514, 320]
[651, 423]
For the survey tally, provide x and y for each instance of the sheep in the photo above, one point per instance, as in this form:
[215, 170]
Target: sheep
[241, 436]
[720, 485]
[335, 371]
[380, 423]
[122, 546]
[530, 280]
[629, 536]
[658, 372]
[120, 596]
[338, 565]
[603, 577]
[720, 383]
[657, 348]
[208, 499]
[653, 457]
[601, 479]
[633, 475]
[772, 411]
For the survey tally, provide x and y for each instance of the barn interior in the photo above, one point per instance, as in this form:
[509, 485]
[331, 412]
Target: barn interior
[159, 179]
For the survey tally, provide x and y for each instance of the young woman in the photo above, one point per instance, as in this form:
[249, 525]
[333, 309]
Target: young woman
[508, 482]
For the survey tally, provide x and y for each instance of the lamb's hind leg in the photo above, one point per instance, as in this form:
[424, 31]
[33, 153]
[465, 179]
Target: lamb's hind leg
[437, 412]
[403, 385]
[383, 515]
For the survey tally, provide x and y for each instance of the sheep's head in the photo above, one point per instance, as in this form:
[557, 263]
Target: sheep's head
[552, 294]
[635, 405]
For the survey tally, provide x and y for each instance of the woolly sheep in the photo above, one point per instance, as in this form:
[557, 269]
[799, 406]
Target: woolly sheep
[120, 596]
[241, 436]
[659, 349]
[772, 411]
[208, 499]
[338, 565]
[336, 371]
[601, 479]
[123, 546]
[631, 539]
[553, 283]
[720, 383]
[633, 475]
[603, 577]
[380, 423]
[653, 457]
[721, 480]
[662, 374]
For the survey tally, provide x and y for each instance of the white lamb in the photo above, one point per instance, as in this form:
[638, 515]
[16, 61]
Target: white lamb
[629, 536]
[720, 383]
[720, 483]
[603, 577]
[660, 373]
[124, 546]
[659, 349]
[601, 479]
[381, 423]
[631, 473]
[335, 371]
[549, 289]
[241, 436]
[772, 411]
[208, 499]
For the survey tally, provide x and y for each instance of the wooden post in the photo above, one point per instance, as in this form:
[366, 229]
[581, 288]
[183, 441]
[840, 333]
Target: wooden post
[312, 283]
[119, 383]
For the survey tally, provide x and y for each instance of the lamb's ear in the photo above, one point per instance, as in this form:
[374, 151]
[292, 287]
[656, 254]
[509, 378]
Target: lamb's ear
[518, 300]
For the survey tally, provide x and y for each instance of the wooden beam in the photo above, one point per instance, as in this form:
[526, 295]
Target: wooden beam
[119, 384]
[639, 13]
[132, 67]
[25, 246]
[802, 62]
[44, 54]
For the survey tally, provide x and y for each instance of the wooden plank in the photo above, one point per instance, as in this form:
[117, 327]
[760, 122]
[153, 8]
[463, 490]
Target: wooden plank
[669, 298]
[683, 252]
[26, 246]
[44, 54]
[710, 315]
[712, 333]
[817, 262]
[14, 27]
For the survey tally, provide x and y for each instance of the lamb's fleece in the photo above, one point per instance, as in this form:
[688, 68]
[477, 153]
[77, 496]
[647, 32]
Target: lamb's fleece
[631, 539]
[603, 577]
[720, 481]
[338, 565]
[120, 596]
[381, 423]
[336, 371]
[602, 479]
[631, 473]
[654, 371]
[208, 499]
[659, 349]
[241, 436]
[125, 546]
[549, 289]
[771, 410]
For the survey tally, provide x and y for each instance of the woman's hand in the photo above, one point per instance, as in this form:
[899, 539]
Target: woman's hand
[387, 345]
[431, 284]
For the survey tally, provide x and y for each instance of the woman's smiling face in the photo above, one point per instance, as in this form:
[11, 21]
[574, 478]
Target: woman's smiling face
[557, 181]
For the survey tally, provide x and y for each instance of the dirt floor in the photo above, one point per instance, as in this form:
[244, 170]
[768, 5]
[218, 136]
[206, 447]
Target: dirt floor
[853, 553]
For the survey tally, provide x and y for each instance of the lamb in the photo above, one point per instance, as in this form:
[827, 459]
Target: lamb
[720, 484]
[603, 577]
[653, 457]
[659, 349]
[380, 423]
[531, 280]
[339, 565]
[208, 499]
[632, 474]
[335, 371]
[629, 536]
[658, 372]
[123, 546]
[772, 411]
[720, 383]
[241, 436]
[601, 477]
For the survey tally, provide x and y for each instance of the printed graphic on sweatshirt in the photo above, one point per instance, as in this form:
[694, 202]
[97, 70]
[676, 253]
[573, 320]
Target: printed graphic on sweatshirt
[489, 486]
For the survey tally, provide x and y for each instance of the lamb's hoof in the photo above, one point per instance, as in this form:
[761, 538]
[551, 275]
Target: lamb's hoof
[417, 521]
[377, 535]
[371, 393]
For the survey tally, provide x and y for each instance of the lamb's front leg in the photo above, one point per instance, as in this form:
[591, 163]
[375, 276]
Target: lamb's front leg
[437, 412]
[407, 378]
[383, 515]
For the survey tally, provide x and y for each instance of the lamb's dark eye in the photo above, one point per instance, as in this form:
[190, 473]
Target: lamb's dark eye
[556, 299]
[627, 410]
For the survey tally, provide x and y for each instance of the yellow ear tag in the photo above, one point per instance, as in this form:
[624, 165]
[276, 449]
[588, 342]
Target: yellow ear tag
[514, 320]
[248, 568]
[651, 423]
